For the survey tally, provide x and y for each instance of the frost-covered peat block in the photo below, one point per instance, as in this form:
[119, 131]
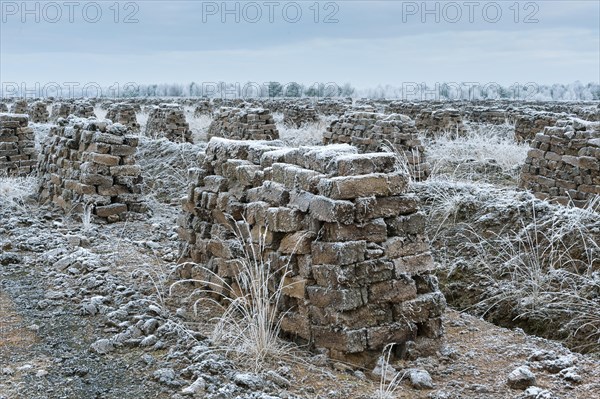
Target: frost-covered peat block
[90, 163]
[372, 132]
[352, 237]
[168, 120]
[243, 124]
[18, 156]
[563, 163]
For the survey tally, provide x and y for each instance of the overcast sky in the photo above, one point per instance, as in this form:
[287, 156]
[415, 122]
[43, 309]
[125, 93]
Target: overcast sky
[366, 43]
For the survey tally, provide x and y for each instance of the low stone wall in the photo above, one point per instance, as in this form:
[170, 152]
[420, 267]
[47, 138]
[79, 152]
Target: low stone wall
[123, 113]
[372, 132]
[243, 124]
[18, 156]
[528, 124]
[359, 261]
[91, 163]
[19, 107]
[38, 112]
[563, 163]
[168, 120]
[296, 115]
[440, 121]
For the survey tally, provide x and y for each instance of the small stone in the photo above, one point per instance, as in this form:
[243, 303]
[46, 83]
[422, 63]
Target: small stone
[166, 376]
[41, 373]
[521, 378]
[149, 340]
[197, 386]
[571, 374]
[102, 346]
[248, 380]
[383, 368]
[420, 379]
[278, 379]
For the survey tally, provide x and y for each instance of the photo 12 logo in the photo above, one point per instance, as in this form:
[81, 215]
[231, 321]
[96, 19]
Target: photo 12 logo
[453, 12]
[253, 12]
[69, 11]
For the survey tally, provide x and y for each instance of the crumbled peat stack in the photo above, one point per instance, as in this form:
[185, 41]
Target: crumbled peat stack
[123, 113]
[359, 261]
[203, 108]
[91, 163]
[243, 124]
[563, 163]
[440, 121]
[296, 115]
[60, 110]
[168, 120]
[372, 132]
[528, 124]
[38, 112]
[3, 108]
[19, 107]
[18, 156]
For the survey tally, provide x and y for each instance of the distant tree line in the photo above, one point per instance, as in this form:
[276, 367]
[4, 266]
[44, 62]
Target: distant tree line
[410, 91]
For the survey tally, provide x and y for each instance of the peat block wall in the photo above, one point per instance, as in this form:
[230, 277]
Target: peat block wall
[168, 120]
[243, 124]
[439, 121]
[123, 113]
[19, 107]
[38, 112]
[296, 115]
[372, 132]
[359, 261]
[528, 124]
[18, 156]
[91, 163]
[563, 163]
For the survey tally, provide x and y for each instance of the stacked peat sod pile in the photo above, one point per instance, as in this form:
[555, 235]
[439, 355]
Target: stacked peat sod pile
[203, 107]
[359, 261]
[372, 132]
[432, 122]
[243, 124]
[123, 113]
[168, 120]
[530, 123]
[563, 163]
[91, 163]
[19, 107]
[18, 156]
[83, 109]
[38, 112]
[3, 108]
[296, 115]
[60, 110]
